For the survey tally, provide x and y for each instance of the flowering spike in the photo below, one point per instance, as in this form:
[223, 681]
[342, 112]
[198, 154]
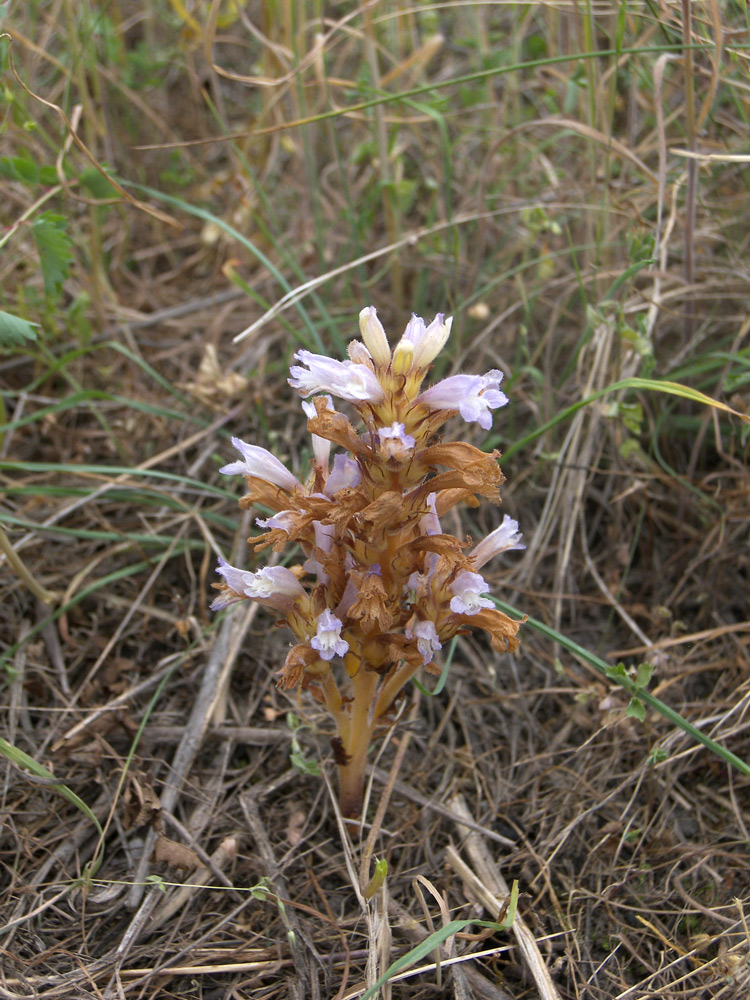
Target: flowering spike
[379, 582]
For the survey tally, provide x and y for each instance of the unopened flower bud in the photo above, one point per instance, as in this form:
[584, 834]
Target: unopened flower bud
[374, 336]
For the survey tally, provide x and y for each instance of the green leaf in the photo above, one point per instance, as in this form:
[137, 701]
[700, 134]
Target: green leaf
[55, 250]
[627, 682]
[19, 168]
[14, 330]
[618, 672]
[375, 883]
[636, 710]
[644, 675]
[657, 755]
[304, 765]
[97, 185]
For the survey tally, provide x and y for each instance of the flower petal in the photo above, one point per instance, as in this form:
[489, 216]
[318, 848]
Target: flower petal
[327, 640]
[356, 383]
[466, 590]
[472, 395]
[503, 539]
[258, 463]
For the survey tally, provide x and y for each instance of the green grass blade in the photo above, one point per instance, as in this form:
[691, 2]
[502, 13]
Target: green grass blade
[22, 760]
[654, 385]
[630, 686]
[426, 947]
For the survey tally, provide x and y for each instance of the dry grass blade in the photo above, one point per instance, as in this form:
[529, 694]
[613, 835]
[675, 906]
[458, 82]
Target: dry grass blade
[488, 886]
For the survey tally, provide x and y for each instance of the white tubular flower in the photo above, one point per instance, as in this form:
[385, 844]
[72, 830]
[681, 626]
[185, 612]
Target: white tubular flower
[472, 395]
[427, 639]
[261, 464]
[273, 585]
[321, 446]
[374, 336]
[429, 524]
[354, 382]
[327, 640]
[467, 589]
[345, 473]
[323, 540]
[395, 442]
[285, 519]
[503, 539]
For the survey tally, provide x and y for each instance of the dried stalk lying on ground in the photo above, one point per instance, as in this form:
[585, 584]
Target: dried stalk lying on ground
[382, 587]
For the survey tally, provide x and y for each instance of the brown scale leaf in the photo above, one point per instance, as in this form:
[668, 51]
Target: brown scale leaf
[370, 608]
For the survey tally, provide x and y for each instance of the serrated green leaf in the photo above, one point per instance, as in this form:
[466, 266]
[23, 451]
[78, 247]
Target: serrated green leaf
[55, 250]
[19, 168]
[636, 710]
[644, 675]
[618, 671]
[14, 330]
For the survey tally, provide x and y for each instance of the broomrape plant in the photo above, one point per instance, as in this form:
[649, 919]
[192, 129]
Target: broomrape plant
[382, 587]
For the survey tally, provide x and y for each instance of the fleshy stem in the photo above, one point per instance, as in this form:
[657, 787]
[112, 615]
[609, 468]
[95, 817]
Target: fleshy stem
[355, 729]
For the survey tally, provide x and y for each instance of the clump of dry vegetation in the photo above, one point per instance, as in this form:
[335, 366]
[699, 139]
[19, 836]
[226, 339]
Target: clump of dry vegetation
[569, 182]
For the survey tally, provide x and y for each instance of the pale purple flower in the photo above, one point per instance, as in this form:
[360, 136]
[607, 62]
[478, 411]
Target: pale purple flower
[235, 580]
[261, 464]
[374, 336]
[427, 639]
[285, 519]
[321, 446]
[345, 473]
[273, 585]
[327, 640]
[356, 383]
[472, 395]
[395, 442]
[503, 539]
[424, 343]
[323, 540]
[429, 524]
[467, 589]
